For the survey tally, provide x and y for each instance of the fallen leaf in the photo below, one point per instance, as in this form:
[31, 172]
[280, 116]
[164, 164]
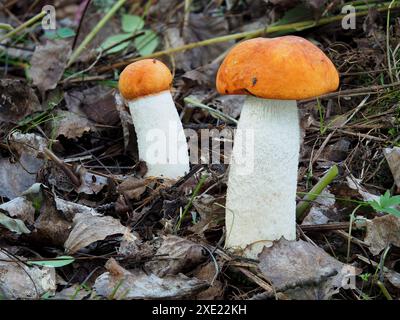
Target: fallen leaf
[18, 281]
[133, 187]
[17, 177]
[17, 100]
[136, 284]
[211, 211]
[381, 232]
[48, 63]
[304, 271]
[20, 208]
[88, 228]
[71, 125]
[176, 255]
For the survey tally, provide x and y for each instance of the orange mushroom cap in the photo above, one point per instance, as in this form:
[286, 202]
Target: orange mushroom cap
[283, 68]
[144, 77]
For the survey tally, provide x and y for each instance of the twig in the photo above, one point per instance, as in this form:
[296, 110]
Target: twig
[298, 26]
[80, 23]
[305, 204]
[94, 31]
[215, 112]
[23, 26]
[74, 179]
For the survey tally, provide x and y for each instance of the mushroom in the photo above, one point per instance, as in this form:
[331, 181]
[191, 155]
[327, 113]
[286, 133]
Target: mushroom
[273, 73]
[145, 85]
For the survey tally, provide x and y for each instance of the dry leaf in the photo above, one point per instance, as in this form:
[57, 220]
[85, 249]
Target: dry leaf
[133, 187]
[88, 229]
[17, 100]
[48, 63]
[119, 284]
[392, 156]
[18, 281]
[71, 125]
[381, 232]
[304, 271]
[177, 255]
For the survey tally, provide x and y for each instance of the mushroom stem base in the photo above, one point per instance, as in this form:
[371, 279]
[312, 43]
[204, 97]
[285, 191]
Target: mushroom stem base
[261, 196]
[160, 135]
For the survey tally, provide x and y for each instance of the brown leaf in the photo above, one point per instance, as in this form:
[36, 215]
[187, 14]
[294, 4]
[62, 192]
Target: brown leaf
[136, 284]
[178, 255]
[211, 213]
[392, 156]
[17, 100]
[19, 176]
[71, 125]
[304, 271]
[19, 281]
[48, 63]
[133, 187]
[88, 228]
[381, 232]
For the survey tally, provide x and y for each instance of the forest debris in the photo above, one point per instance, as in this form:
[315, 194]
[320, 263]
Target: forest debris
[17, 100]
[304, 271]
[48, 63]
[91, 183]
[88, 229]
[392, 156]
[18, 281]
[20, 208]
[381, 232]
[355, 184]
[17, 177]
[119, 283]
[211, 211]
[208, 272]
[319, 212]
[74, 292]
[14, 225]
[132, 188]
[97, 103]
[178, 255]
[71, 125]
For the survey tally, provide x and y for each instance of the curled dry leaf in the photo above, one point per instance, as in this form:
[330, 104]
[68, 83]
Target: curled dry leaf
[19, 176]
[208, 273]
[88, 228]
[48, 64]
[303, 271]
[18, 281]
[20, 208]
[176, 255]
[211, 211]
[133, 188]
[381, 232]
[17, 100]
[119, 283]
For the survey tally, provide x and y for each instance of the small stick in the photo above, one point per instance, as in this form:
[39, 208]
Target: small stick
[23, 26]
[74, 179]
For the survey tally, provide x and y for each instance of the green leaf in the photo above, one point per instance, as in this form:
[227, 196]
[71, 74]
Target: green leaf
[61, 33]
[131, 23]
[112, 40]
[55, 263]
[146, 43]
[14, 225]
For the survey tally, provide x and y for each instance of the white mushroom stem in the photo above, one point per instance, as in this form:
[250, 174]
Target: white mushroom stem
[261, 195]
[160, 136]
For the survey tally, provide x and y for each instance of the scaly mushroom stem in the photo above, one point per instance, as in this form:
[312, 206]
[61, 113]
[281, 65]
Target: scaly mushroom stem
[160, 136]
[261, 203]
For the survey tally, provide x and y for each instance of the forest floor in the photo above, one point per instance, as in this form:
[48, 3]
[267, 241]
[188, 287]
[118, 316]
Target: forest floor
[78, 219]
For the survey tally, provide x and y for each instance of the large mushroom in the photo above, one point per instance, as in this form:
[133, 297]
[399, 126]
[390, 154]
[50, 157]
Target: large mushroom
[273, 73]
[145, 85]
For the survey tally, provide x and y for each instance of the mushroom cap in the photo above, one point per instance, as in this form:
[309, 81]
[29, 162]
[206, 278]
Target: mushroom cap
[144, 77]
[283, 68]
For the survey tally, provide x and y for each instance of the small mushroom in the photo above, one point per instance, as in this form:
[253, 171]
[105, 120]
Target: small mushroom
[273, 73]
[145, 85]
